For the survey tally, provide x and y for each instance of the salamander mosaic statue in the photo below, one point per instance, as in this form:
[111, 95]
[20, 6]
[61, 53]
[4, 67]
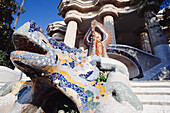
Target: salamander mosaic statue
[56, 68]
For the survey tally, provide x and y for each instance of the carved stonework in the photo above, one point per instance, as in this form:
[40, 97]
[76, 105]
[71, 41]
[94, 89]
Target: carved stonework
[88, 5]
[154, 28]
[157, 37]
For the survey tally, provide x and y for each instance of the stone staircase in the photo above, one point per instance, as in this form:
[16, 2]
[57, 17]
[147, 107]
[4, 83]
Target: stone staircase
[155, 95]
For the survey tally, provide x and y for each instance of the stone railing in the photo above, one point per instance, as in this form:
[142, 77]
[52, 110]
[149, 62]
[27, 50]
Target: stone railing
[145, 59]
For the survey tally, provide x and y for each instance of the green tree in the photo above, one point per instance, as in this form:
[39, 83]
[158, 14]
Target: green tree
[162, 3]
[8, 8]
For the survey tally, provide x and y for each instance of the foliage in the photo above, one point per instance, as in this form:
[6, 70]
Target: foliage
[136, 2]
[102, 77]
[8, 8]
[4, 60]
[163, 3]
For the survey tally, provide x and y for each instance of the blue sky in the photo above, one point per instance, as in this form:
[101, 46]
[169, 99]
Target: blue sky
[42, 12]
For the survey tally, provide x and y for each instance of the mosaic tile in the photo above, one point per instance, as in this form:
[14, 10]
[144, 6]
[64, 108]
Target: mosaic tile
[69, 69]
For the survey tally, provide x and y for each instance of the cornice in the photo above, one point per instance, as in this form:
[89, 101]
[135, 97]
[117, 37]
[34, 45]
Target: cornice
[73, 15]
[85, 6]
[80, 5]
[107, 9]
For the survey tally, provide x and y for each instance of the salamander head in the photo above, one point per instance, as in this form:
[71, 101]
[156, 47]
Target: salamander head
[33, 50]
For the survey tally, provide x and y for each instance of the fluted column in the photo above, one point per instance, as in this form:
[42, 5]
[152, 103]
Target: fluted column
[158, 40]
[108, 22]
[70, 36]
[145, 42]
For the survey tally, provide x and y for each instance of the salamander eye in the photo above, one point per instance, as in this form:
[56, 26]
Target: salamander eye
[56, 59]
[44, 41]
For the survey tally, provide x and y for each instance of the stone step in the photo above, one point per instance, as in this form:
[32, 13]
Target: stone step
[150, 84]
[151, 91]
[155, 99]
[156, 109]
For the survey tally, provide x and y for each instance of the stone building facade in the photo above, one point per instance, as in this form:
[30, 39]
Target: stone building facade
[135, 29]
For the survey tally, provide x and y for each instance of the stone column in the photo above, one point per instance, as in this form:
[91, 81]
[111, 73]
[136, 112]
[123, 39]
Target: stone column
[109, 25]
[145, 42]
[157, 37]
[70, 36]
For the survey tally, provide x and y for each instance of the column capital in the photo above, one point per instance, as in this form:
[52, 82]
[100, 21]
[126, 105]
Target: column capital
[72, 15]
[108, 9]
[149, 5]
